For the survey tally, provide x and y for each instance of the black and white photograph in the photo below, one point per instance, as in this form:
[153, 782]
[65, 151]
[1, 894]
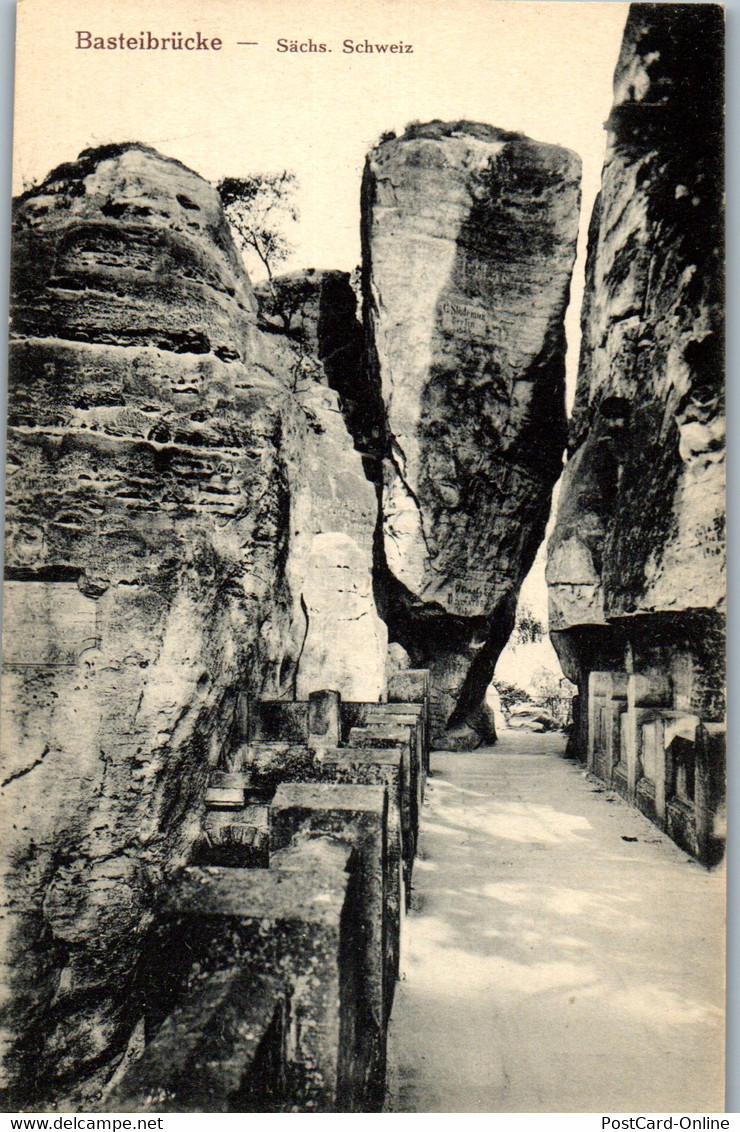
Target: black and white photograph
[363, 648]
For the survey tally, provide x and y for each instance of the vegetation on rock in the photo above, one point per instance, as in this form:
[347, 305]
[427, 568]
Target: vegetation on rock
[258, 208]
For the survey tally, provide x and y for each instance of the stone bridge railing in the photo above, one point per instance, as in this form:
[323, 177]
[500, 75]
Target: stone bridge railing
[668, 763]
[276, 954]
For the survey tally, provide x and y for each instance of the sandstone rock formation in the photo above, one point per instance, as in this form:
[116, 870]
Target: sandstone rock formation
[636, 562]
[153, 573]
[311, 319]
[346, 641]
[469, 239]
[195, 475]
[640, 527]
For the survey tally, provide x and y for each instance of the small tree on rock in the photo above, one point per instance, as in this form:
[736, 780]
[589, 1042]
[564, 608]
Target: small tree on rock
[257, 208]
[528, 629]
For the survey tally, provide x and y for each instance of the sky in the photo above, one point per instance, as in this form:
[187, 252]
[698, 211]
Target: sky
[541, 68]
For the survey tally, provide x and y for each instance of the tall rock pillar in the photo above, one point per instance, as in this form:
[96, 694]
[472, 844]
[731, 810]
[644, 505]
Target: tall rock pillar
[469, 237]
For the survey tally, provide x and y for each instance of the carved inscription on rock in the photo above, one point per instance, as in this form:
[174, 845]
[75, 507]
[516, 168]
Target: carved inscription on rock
[46, 624]
[464, 319]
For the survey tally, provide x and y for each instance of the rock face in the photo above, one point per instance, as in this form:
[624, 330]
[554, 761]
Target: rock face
[153, 572]
[636, 562]
[346, 641]
[312, 322]
[469, 238]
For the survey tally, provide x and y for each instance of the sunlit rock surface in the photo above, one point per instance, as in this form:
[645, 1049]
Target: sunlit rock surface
[311, 319]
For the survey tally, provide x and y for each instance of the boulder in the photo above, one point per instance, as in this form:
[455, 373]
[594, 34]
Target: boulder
[469, 237]
[531, 717]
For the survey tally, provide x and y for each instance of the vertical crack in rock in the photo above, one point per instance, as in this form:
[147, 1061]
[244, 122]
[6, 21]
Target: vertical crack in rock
[469, 237]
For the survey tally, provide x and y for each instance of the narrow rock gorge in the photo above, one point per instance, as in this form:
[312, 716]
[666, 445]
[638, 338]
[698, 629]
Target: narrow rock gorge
[264, 547]
[212, 496]
[636, 562]
[469, 237]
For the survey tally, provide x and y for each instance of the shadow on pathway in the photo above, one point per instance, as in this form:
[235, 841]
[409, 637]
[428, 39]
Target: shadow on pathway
[561, 954]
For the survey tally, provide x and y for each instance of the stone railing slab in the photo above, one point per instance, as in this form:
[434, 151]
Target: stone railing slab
[277, 720]
[385, 768]
[220, 1050]
[299, 926]
[324, 727]
[358, 816]
[400, 739]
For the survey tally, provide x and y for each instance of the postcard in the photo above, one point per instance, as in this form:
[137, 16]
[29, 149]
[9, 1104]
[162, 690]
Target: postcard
[363, 692]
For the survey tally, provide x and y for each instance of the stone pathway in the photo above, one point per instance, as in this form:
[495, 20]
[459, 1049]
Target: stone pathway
[561, 954]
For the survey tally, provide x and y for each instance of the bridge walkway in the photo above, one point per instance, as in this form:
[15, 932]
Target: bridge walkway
[560, 954]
